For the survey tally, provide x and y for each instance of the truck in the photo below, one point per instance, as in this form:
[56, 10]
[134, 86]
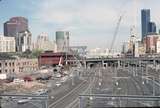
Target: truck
[3, 76]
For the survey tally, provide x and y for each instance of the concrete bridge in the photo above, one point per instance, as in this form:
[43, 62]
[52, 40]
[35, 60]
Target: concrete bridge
[89, 62]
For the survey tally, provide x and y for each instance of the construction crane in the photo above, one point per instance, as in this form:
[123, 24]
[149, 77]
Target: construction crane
[118, 25]
[67, 52]
[116, 32]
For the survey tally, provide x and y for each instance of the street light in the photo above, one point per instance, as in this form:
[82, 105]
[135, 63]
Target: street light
[118, 78]
[153, 80]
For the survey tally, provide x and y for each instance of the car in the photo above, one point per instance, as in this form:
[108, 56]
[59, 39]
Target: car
[18, 80]
[38, 78]
[41, 92]
[58, 84]
[27, 78]
[52, 97]
[23, 101]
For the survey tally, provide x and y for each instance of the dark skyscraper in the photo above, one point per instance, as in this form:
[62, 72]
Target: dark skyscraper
[145, 19]
[15, 25]
[151, 27]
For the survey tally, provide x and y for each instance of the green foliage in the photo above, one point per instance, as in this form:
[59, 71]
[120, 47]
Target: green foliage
[31, 54]
[35, 53]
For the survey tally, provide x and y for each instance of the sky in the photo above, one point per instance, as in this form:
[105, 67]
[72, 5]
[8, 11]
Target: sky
[91, 22]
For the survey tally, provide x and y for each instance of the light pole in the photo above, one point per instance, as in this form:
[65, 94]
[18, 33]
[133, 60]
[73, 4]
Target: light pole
[153, 82]
[154, 92]
[146, 70]
[72, 79]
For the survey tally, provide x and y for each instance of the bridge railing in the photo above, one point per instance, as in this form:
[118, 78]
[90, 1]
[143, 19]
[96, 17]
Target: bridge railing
[103, 100]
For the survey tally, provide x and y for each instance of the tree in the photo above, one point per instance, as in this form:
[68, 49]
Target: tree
[36, 53]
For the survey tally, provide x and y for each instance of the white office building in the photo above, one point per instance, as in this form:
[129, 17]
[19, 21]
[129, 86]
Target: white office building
[23, 41]
[7, 44]
[43, 43]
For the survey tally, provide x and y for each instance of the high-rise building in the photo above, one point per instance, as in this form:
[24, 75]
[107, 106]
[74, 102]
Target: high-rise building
[145, 19]
[151, 27]
[7, 44]
[43, 43]
[62, 41]
[23, 41]
[125, 47]
[15, 25]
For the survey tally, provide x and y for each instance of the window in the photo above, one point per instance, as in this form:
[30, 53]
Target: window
[0, 71]
[9, 64]
[6, 70]
[5, 64]
[0, 64]
[22, 40]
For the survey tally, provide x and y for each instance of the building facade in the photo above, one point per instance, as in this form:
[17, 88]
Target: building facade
[43, 43]
[62, 41]
[125, 47]
[151, 27]
[7, 44]
[145, 19]
[53, 59]
[25, 64]
[7, 66]
[16, 65]
[15, 25]
[141, 48]
[158, 45]
[24, 41]
[150, 42]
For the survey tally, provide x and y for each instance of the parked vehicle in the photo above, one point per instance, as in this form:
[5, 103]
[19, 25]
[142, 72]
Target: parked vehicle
[27, 78]
[58, 84]
[44, 78]
[41, 92]
[18, 80]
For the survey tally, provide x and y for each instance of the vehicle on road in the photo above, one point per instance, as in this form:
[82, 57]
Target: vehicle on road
[58, 84]
[23, 101]
[41, 91]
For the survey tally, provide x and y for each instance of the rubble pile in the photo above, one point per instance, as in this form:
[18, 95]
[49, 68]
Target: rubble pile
[24, 87]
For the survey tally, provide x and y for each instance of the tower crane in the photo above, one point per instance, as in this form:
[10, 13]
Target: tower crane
[116, 32]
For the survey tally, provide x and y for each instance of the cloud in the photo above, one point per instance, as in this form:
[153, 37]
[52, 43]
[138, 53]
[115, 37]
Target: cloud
[91, 20]
[61, 13]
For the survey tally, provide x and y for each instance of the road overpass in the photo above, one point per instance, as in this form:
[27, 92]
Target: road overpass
[117, 61]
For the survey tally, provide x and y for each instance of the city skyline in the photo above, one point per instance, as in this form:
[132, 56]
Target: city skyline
[77, 16]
